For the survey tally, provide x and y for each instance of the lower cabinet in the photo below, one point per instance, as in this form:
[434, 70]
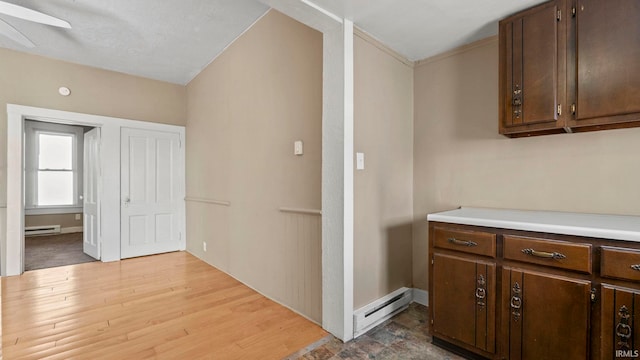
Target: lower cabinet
[620, 322]
[509, 294]
[465, 301]
[547, 316]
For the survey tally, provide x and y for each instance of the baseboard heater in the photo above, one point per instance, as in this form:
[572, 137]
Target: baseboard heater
[369, 316]
[42, 230]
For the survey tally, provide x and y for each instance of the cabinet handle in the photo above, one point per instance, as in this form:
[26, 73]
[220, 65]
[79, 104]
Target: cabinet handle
[481, 292]
[516, 301]
[545, 255]
[462, 242]
[636, 267]
[623, 330]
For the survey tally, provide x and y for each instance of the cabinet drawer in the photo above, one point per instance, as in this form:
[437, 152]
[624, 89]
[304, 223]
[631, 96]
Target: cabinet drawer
[555, 253]
[473, 242]
[620, 263]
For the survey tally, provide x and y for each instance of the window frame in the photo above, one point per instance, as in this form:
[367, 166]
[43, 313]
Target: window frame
[32, 131]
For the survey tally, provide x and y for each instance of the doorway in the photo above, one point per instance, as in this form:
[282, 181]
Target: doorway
[60, 185]
[109, 167]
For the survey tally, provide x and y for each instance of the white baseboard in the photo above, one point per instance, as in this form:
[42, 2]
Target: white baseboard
[421, 296]
[72, 229]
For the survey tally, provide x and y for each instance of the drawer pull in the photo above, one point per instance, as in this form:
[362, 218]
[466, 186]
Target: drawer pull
[462, 242]
[542, 254]
[636, 267]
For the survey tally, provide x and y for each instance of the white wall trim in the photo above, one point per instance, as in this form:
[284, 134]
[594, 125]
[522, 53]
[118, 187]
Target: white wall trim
[50, 211]
[301, 211]
[13, 257]
[71, 229]
[421, 296]
[207, 201]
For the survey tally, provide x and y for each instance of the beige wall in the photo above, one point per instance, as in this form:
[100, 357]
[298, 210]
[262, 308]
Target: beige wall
[34, 81]
[460, 160]
[383, 190]
[64, 220]
[245, 110]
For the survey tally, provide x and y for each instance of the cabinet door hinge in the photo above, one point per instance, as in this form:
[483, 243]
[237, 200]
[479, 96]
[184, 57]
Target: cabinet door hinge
[559, 109]
[573, 109]
[592, 296]
[431, 261]
[559, 15]
[573, 11]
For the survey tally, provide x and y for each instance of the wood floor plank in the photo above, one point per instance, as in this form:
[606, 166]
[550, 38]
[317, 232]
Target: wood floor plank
[169, 306]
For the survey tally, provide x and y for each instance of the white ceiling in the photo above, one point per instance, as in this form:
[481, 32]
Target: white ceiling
[419, 29]
[173, 40]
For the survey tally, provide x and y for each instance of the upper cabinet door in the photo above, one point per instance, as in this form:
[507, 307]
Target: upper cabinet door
[608, 61]
[532, 69]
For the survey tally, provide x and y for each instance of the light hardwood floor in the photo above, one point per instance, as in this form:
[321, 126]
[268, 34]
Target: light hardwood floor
[170, 306]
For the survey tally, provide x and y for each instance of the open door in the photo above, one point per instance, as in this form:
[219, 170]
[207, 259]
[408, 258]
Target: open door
[150, 192]
[91, 194]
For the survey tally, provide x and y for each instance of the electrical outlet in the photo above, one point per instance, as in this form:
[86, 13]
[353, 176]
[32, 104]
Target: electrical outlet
[204, 246]
[78, 216]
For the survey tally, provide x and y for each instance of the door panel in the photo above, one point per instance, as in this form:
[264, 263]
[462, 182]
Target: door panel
[149, 187]
[608, 44]
[91, 194]
[533, 69]
[464, 300]
[620, 331]
[548, 315]
[540, 66]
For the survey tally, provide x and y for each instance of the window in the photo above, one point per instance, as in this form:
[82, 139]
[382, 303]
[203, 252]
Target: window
[54, 179]
[53, 168]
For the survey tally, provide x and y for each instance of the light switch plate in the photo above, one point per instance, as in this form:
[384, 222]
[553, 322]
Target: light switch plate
[359, 161]
[298, 148]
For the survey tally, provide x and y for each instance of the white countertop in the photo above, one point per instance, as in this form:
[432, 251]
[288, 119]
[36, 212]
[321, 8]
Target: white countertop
[617, 227]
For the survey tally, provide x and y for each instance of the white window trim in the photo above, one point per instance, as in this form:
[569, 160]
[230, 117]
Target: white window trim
[31, 130]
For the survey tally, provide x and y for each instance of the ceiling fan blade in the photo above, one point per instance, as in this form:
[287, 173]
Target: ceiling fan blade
[31, 15]
[15, 35]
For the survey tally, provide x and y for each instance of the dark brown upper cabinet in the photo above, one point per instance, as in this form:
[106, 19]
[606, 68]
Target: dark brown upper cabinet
[570, 66]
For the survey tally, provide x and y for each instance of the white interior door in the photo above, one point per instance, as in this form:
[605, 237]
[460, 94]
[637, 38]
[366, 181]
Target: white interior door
[91, 194]
[149, 185]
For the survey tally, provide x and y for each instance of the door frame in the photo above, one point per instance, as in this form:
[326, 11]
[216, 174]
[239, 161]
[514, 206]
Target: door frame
[12, 260]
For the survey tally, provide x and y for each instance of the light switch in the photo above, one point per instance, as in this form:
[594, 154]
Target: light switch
[297, 148]
[359, 161]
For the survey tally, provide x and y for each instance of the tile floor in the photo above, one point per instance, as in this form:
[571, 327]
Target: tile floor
[403, 337]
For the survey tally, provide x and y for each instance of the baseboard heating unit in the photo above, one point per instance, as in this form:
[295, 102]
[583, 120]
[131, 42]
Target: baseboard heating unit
[380, 310]
[42, 230]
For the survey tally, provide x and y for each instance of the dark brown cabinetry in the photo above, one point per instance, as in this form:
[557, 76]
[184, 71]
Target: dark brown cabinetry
[509, 294]
[620, 319]
[533, 70]
[620, 305]
[547, 315]
[465, 301]
[569, 66]
[464, 277]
